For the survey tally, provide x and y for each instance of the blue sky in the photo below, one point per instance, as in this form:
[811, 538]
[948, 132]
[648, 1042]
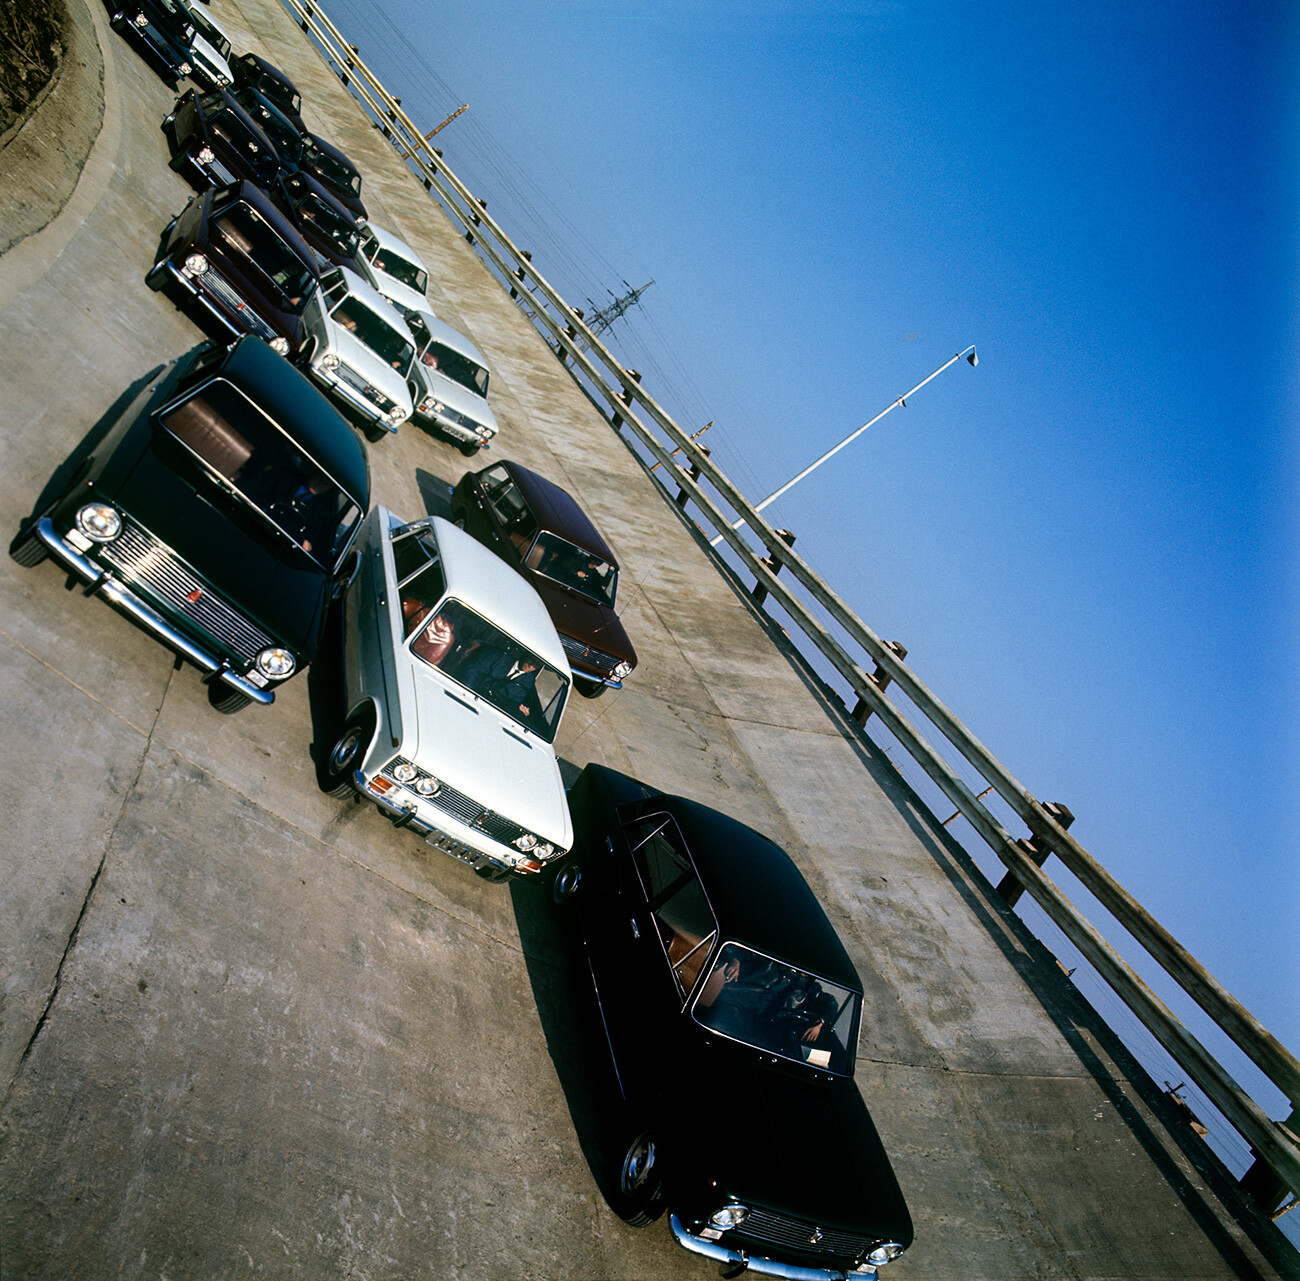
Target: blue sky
[1088, 543]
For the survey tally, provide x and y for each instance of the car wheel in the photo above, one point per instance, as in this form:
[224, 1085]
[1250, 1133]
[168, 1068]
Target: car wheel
[640, 1183]
[226, 700]
[564, 886]
[589, 689]
[344, 758]
[375, 432]
[467, 449]
[459, 520]
[28, 550]
[156, 277]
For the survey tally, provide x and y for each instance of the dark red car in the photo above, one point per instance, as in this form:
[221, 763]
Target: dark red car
[239, 259]
[538, 528]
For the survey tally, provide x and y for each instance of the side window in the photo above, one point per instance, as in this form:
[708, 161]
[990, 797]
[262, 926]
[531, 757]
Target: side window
[420, 580]
[511, 510]
[677, 902]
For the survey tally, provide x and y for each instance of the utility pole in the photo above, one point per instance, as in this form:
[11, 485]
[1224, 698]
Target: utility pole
[406, 152]
[606, 316]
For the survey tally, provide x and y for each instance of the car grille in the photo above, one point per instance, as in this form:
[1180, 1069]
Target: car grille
[584, 653]
[229, 298]
[152, 565]
[353, 379]
[778, 1229]
[470, 812]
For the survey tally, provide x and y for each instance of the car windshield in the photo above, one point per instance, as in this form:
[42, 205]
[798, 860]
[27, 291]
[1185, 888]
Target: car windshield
[264, 467]
[333, 171]
[375, 332]
[242, 228]
[284, 137]
[341, 231]
[280, 94]
[569, 565]
[460, 369]
[486, 661]
[211, 35]
[391, 263]
[778, 1008]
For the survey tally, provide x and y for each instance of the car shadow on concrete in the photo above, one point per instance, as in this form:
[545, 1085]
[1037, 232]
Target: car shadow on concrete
[571, 1024]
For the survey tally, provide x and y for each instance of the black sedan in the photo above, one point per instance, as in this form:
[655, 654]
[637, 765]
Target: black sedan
[731, 1009]
[217, 513]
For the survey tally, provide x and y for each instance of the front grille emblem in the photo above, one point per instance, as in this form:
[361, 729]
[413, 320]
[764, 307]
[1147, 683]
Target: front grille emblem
[816, 1236]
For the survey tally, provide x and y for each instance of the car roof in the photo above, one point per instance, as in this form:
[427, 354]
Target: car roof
[442, 332]
[558, 511]
[270, 68]
[387, 240]
[310, 183]
[301, 410]
[332, 151]
[373, 299]
[758, 895]
[480, 579]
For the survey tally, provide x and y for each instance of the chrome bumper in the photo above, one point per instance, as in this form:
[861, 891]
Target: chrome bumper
[756, 1263]
[345, 391]
[102, 583]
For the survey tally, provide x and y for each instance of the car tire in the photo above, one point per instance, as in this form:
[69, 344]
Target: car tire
[343, 758]
[28, 550]
[589, 689]
[460, 520]
[566, 881]
[227, 701]
[156, 276]
[375, 432]
[638, 1182]
[467, 449]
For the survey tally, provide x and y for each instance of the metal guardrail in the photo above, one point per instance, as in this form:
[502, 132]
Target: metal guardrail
[1275, 1143]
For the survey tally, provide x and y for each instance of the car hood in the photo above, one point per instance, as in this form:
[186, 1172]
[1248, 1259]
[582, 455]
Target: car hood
[596, 626]
[795, 1142]
[353, 352]
[403, 297]
[465, 742]
[456, 396]
[281, 590]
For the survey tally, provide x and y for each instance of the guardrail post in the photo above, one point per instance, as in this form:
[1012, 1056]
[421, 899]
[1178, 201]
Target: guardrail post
[693, 472]
[571, 333]
[476, 220]
[617, 421]
[759, 594]
[1010, 887]
[1263, 1184]
[519, 275]
[880, 678]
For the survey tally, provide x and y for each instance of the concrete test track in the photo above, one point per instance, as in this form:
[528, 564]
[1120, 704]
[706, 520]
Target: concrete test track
[251, 1030]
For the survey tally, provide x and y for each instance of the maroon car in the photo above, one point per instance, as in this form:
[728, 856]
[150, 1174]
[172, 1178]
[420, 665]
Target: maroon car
[271, 82]
[538, 528]
[215, 141]
[323, 222]
[241, 261]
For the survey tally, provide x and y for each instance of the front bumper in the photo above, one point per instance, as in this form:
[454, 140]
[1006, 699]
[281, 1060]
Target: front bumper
[343, 390]
[457, 431]
[219, 299]
[402, 816]
[756, 1263]
[101, 583]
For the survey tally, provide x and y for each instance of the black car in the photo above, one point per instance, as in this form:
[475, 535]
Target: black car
[271, 82]
[217, 513]
[334, 171]
[160, 29]
[325, 225]
[215, 142]
[731, 1010]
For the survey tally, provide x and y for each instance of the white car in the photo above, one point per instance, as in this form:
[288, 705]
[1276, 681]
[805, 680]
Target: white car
[454, 685]
[395, 269]
[360, 350]
[449, 384]
[210, 49]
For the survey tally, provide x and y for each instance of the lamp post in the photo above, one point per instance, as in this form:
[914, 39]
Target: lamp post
[971, 357]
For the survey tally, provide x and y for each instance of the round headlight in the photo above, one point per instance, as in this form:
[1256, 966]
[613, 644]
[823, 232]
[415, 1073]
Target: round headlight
[483, 433]
[206, 155]
[525, 841]
[184, 68]
[99, 522]
[544, 850]
[196, 264]
[428, 786]
[140, 20]
[276, 663]
[426, 405]
[397, 415]
[405, 772]
[330, 360]
[885, 1253]
[281, 344]
[621, 671]
[729, 1216]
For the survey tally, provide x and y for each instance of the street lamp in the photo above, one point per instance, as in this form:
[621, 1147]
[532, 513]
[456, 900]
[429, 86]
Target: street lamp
[972, 358]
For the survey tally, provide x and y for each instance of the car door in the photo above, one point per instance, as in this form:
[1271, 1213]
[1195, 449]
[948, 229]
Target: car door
[658, 934]
[511, 523]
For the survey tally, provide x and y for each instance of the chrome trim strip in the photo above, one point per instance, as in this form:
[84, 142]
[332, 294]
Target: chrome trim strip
[105, 585]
